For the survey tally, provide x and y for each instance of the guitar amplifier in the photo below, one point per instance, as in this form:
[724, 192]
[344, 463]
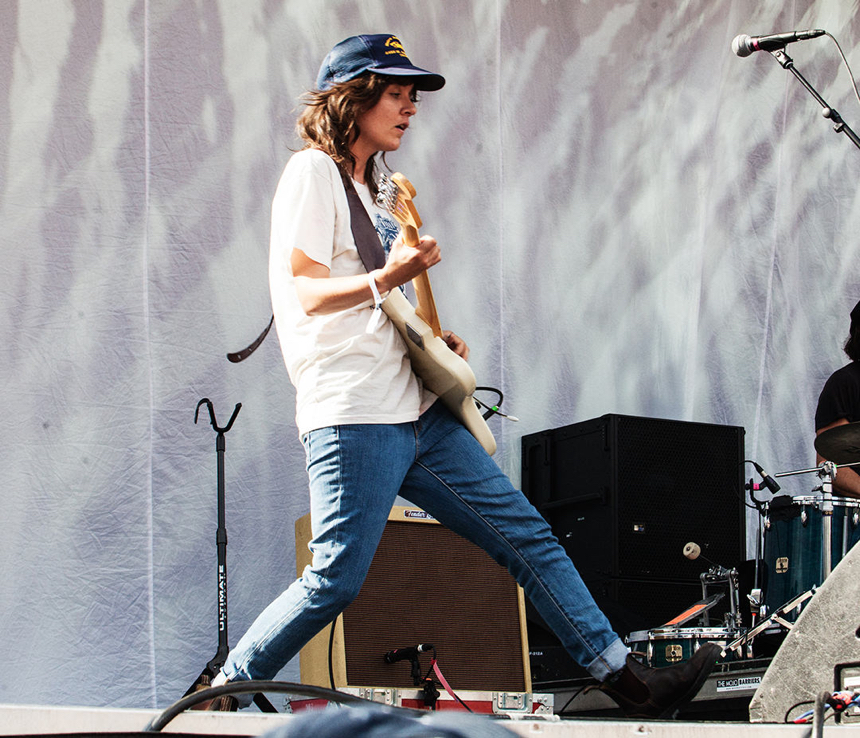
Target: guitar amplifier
[425, 585]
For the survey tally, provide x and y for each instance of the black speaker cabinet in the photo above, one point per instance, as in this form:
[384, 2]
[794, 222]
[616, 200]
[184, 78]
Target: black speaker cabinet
[425, 585]
[624, 495]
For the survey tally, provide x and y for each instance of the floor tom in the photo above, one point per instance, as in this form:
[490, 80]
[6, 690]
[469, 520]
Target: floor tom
[794, 544]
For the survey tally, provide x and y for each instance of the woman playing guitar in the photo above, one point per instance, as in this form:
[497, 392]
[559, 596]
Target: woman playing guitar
[371, 430]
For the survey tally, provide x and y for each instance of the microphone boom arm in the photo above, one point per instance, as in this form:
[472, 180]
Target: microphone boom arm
[839, 125]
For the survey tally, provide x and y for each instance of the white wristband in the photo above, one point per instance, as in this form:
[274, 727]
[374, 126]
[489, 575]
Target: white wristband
[373, 323]
[377, 300]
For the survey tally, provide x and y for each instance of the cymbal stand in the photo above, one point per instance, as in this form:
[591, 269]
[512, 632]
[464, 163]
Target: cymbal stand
[827, 473]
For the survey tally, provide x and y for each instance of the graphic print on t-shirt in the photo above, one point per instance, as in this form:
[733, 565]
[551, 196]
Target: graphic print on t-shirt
[387, 229]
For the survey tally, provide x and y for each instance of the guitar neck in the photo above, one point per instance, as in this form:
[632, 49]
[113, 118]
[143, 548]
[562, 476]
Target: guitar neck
[426, 309]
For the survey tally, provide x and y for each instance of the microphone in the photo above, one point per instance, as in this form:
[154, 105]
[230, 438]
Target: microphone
[399, 654]
[768, 480]
[744, 45]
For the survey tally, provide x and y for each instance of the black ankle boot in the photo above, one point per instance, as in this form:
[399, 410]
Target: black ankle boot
[643, 692]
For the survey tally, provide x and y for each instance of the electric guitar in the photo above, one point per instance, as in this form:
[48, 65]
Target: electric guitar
[443, 372]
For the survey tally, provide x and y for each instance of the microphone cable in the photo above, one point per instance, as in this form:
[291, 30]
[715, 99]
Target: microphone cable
[847, 65]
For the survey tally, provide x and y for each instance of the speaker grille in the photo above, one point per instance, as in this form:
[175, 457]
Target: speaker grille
[624, 494]
[677, 482]
[429, 585]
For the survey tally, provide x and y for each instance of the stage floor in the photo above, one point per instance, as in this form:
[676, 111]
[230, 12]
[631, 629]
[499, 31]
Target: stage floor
[36, 720]
[718, 711]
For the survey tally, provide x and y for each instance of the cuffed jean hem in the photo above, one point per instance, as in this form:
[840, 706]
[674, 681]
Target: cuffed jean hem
[609, 662]
[235, 676]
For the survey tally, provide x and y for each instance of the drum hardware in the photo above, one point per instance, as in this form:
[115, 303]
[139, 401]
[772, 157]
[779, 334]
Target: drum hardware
[694, 611]
[840, 446]
[728, 577]
[756, 600]
[807, 542]
[777, 617]
[805, 537]
[756, 596]
[717, 574]
[827, 472]
[757, 612]
[670, 643]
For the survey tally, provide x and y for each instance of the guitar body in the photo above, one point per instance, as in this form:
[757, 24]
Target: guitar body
[445, 374]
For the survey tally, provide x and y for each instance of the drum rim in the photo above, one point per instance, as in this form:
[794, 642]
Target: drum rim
[814, 500]
[665, 633]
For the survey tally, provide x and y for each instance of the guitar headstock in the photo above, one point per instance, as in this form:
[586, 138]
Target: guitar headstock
[395, 195]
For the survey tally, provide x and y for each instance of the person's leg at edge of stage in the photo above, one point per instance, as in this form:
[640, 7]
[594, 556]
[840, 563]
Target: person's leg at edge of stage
[355, 472]
[454, 480]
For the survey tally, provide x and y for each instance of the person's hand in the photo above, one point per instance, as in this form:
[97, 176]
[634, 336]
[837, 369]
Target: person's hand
[456, 344]
[407, 262]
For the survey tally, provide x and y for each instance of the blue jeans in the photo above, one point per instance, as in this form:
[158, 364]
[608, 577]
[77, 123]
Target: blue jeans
[356, 472]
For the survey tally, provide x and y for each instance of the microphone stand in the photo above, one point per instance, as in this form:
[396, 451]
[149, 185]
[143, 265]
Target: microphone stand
[839, 125]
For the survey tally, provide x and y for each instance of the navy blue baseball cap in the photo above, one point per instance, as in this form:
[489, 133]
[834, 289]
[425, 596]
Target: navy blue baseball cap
[380, 53]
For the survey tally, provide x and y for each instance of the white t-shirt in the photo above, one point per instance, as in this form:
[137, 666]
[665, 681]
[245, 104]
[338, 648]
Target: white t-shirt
[342, 374]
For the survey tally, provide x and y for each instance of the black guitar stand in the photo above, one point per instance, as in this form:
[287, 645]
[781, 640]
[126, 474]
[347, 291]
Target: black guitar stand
[214, 665]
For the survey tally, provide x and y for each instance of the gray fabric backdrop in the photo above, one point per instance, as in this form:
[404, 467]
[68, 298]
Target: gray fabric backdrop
[634, 220]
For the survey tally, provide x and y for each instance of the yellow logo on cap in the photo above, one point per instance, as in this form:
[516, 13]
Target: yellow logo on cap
[394, 46]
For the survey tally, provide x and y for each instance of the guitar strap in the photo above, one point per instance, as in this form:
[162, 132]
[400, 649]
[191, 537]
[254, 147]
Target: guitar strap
[363, 231]
[366, 241]
[366, 238]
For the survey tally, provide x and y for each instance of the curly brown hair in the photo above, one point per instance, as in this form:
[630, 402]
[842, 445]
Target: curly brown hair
[329, 120]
